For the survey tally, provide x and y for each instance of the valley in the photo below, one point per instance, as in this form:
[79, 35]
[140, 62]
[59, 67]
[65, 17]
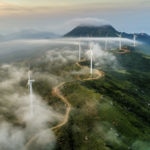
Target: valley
[108, 110]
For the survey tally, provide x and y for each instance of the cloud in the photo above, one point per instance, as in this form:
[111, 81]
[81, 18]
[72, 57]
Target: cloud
[15, 101]
[14, 137]
[86, 21]
[11, 138]
[16, 122]
[108, 133]
[10, 76]
[141, 145]
[101, 57]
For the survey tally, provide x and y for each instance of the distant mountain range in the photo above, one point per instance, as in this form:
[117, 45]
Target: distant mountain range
[79, 31]
[104, 31]
[28, 34]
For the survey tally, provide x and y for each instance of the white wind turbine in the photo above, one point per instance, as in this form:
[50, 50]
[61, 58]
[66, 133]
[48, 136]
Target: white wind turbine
[120, 44]
[134, 40]
[91, 59]
[30, 81]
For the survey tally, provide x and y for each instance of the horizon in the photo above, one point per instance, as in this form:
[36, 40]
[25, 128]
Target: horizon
[36, 31]
[60, 17]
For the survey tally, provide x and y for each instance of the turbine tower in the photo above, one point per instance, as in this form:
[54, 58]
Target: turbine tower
[91, 59]
[120, 36]
[30, 81]
[134, 40]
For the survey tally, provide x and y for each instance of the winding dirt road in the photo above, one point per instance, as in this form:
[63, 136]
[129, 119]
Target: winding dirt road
[56, 92]
[96, 72]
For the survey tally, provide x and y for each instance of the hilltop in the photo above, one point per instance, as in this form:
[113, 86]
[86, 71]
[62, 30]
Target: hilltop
[93, 31]
[110, 113]
[104, 31]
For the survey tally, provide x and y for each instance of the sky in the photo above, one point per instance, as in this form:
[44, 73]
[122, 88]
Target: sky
[60, 16]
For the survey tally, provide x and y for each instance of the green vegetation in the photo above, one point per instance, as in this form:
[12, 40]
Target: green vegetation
[111, 113]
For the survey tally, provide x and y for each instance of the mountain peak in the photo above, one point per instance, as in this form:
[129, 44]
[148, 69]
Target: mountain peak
[85, 30]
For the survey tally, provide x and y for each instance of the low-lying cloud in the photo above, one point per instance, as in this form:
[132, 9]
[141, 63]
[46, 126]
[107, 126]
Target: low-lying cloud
[141, 145]
[101, 57]
[17, 123]
[86, 21]
[50, 57]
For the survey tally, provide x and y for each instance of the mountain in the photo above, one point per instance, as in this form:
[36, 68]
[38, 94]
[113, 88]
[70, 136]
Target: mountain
[104, 31]
[93, 31]
[142, 37]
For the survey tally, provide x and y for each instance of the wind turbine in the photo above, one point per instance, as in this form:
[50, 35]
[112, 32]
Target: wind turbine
[30, 81]
[134, 39]
[120, 36]
[91, 59]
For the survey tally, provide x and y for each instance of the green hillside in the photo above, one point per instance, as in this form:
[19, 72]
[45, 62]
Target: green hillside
[108, 113]
[111, 113]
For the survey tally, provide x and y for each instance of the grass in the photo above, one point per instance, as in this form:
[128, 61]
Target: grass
[110, 113]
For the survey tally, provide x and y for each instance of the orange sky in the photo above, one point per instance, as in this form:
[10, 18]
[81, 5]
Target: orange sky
[50, 14]
[8, 7]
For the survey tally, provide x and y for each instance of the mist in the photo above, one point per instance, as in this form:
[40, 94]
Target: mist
[141, 145]
[17, 125]
[17, 50]
[102, 57]
[88, 21]
[48, 60]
